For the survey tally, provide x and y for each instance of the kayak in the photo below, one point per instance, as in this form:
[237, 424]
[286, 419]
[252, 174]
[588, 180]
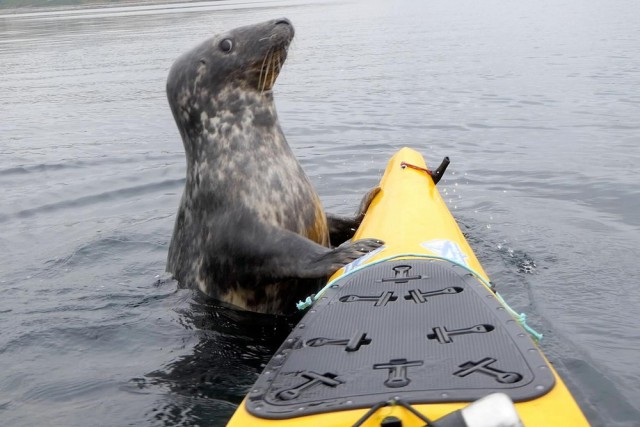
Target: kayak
[411, 334]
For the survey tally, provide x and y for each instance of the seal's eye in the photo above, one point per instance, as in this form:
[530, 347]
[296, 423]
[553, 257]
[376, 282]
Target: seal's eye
[226, 45]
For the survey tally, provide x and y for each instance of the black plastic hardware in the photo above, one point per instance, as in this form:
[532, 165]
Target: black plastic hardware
[444, 336]
[314, 379]
[391, 421]
[380, 300]
[437, 174]
[357, 340]
[397, 371]
[419, 297]
[484, 368]
[401, 275]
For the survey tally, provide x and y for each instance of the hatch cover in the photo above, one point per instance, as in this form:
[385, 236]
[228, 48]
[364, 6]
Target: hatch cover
[425, 331]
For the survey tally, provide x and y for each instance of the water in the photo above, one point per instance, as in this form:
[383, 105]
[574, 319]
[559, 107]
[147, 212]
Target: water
[536, 103]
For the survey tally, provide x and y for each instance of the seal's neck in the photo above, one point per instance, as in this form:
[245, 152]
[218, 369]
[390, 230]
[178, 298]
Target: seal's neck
[235, 125]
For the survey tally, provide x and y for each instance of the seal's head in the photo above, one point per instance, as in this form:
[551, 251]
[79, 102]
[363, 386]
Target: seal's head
[244, 60]
[249, 56]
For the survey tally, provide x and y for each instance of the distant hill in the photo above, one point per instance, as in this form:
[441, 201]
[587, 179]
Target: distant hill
[13, 4]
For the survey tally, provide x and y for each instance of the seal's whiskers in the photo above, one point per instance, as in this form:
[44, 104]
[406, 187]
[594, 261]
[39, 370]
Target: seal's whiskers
[263, 87]
[271, 66]
[274, 71]
[280, 58]
[263, 70]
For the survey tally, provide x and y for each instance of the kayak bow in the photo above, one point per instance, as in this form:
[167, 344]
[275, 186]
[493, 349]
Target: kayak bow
[409, 333]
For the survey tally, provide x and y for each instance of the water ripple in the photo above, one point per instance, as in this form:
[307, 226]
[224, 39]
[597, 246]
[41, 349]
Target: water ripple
[533, 103]
[99, 198]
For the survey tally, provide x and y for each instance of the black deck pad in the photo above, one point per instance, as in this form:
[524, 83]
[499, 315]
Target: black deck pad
[425, 331]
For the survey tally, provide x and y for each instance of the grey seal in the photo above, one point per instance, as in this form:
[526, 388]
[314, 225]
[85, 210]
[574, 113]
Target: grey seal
[250, 228]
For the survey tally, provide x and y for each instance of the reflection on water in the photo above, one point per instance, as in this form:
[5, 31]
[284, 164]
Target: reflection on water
[533, 102]
[233, 347]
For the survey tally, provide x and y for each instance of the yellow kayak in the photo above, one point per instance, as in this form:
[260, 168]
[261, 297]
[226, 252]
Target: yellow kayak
[410, 335]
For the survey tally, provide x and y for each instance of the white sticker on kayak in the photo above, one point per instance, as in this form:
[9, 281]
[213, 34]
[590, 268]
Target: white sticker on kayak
[360, 261]
[446, 249]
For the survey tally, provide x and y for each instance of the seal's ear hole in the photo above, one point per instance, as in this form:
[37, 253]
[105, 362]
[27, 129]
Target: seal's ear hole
[226, 45]
[203, 62]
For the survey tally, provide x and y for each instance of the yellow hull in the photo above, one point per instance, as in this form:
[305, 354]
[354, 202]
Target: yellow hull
[408, 212]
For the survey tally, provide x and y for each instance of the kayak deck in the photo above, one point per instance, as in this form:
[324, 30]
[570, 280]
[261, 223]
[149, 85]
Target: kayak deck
[419, 330]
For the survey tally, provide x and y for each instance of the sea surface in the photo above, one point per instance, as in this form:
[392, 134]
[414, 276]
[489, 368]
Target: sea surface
[536, 102]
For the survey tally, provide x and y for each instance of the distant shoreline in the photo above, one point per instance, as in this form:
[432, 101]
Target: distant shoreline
[34, 5]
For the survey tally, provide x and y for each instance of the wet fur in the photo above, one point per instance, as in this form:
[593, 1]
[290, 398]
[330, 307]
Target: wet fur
[250, 228]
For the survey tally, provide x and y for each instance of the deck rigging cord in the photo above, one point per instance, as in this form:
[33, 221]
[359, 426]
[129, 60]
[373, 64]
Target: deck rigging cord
[521, 318]
[392, 402]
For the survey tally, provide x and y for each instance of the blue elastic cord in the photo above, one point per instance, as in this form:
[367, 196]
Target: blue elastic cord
[520, 317]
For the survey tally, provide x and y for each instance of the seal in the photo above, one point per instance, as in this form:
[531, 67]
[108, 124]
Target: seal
[250, 228]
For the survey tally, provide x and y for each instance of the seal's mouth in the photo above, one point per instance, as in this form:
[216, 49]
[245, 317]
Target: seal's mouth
[279, 38]
[271, 66]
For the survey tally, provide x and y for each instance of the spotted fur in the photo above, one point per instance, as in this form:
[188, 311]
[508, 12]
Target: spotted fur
[250, 228]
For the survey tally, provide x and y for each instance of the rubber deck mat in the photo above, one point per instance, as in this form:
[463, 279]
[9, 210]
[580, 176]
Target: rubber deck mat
[425, 331]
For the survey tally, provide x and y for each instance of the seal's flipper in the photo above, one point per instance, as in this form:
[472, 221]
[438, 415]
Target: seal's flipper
[365, 202]
[342, 228]
[282, 254]
[282, 266]
[347, 252]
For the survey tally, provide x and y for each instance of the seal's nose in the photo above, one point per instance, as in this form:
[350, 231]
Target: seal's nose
[285, 24]
[283, 21]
